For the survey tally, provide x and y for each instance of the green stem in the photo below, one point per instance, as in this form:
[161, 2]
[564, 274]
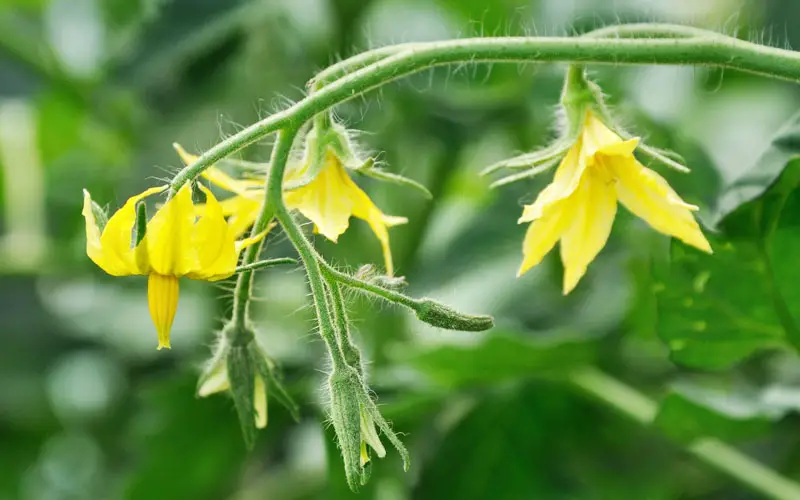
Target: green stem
[244, 283]
[274, 205]
[635, 30]
[333, 275]
[264, 264]
[712, 451]
[351, 352]
[718, 51]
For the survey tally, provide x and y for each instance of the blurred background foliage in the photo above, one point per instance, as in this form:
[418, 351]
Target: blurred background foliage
[92, 94]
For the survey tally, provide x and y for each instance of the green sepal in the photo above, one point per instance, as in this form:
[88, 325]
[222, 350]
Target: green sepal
[369, 169]
[241, 375]
[141, 223]
[266, 368]
[437, 314]
[387, 431]
[100, 216]
[527, 174]
[545, 155]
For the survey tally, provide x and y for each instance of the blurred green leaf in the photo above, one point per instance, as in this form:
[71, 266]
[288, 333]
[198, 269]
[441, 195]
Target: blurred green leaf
[715, 310]
[754, 182]
[686, 416]
[494, 452]
[502, 356]
[186, 447]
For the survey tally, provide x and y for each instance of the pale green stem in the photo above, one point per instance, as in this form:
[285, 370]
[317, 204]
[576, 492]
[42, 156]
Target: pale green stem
[244, 283]
[350, 351]
[718, 51]
[709, 450]
[636, 30]
[274, 206]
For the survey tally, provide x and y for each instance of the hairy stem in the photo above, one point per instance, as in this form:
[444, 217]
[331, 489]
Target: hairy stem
[244, 283]
[712, 451]
[718, 51]
[635, 30]
[274, 206]
[351, 352]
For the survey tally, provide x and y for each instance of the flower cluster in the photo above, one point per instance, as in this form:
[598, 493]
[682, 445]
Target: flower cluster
[596, 167]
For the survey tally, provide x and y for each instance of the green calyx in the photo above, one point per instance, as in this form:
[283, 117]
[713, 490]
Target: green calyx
[356, 421]
[241, 367]
[327, 137]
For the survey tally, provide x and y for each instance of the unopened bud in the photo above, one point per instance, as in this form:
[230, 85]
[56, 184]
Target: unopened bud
[437, 314]
[345, 390]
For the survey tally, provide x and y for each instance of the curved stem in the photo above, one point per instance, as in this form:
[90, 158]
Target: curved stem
[712, 451]
[719, 51]
[634, 30]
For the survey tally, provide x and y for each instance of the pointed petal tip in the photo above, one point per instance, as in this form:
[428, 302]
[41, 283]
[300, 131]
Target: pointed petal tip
[163, 345]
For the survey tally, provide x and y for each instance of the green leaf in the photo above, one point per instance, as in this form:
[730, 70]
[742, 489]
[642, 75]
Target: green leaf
[784, 148]
[689, 413]
[716, 310]
[501, 356]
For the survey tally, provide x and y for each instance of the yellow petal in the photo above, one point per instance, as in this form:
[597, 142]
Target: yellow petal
[214, 245]
[565, 181]
[543, 234]
[243, 217]
[260, 402]
[327, 201]
[366, 210]
[218, 177]
[598, 138]
[216, 382]
[247, 188]
[107, 261]
[117, 238]
[593, 207]
[364, 458]
[187, 158]
[648, 196]
[370, 436]
[169, 236]
[162, 298]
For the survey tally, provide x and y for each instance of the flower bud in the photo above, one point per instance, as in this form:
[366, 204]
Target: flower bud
[355, 417]
[437, 314]
[345, 391]
[248, 373]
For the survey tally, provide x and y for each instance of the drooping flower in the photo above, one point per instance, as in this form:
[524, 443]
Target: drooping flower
[332, 197]
[173, 244]
[578, 208]
[329, 200]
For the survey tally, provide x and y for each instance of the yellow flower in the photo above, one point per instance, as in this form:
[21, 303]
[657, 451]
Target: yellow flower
[579, 206]
[242, 209]
[176, 243]
[328, 201]
[332, 197]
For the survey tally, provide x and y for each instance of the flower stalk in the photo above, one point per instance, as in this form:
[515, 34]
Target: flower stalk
[354, 414]
[714, 50]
